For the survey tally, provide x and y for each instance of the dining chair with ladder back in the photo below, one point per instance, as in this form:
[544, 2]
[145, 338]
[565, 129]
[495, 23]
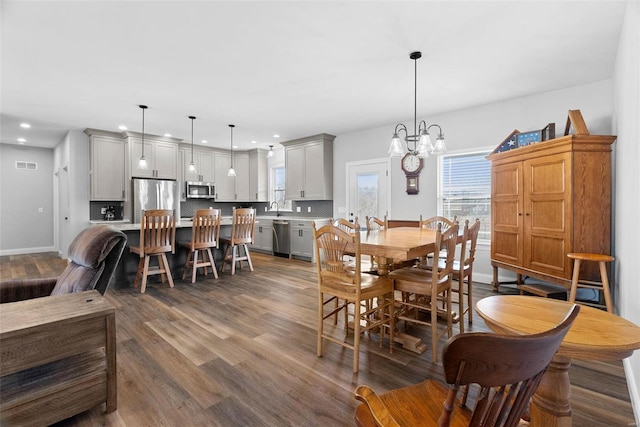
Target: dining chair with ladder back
[351, 288]
[375, 224]
[505, 370]
[432, 224]
[462, 284]
[241, 234]
[157, 237]
[204, 237]
[421, 289]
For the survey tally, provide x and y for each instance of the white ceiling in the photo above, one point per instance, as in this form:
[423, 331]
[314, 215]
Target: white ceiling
[292, 68]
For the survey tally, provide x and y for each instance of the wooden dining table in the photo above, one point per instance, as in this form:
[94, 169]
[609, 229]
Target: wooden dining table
[594, 335]
[398, 244]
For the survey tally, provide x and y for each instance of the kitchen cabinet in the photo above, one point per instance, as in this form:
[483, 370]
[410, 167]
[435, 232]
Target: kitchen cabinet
[241, 166]
[107, 168]
[225, 185]
[309, 168]
[203, 160]
[263, 235]
[301, 239]
[161, 155]
[549, 199]
[258, 176]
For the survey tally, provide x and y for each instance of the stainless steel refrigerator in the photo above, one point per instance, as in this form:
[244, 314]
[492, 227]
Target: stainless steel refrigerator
[154, 194]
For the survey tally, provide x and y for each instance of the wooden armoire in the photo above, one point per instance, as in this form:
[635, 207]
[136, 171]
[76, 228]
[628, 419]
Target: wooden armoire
[549, 199]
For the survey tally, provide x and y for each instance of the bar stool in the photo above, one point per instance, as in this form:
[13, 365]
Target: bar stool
[602, 286]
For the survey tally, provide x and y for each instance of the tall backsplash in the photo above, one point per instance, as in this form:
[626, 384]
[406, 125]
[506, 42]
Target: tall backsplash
[319, 208]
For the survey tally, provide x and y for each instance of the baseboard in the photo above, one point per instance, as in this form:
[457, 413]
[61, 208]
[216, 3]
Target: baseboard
[24, 251]
[632, 385]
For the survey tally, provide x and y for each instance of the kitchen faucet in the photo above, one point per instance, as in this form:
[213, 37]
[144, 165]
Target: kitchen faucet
[277, 208]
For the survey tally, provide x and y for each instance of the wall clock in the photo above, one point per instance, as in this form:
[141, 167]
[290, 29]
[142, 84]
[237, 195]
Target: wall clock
[412, 165]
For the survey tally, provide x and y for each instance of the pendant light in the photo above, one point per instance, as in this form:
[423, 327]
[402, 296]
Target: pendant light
[142, 163]
[271, 153]
[419, 144]
[192, 166]
[232, 171]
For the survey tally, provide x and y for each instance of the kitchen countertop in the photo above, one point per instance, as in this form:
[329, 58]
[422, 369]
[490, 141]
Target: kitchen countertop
[125, 225]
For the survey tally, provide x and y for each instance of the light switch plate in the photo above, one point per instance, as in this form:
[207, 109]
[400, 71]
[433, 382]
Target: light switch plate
[297, 208]
[309, 209]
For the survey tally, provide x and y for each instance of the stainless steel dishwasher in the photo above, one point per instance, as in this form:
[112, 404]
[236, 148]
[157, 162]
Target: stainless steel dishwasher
[281, 242]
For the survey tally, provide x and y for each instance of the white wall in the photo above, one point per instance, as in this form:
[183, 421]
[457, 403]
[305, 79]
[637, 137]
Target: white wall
[627, 183]
[71, 156]
[23, 228]
[485, 126]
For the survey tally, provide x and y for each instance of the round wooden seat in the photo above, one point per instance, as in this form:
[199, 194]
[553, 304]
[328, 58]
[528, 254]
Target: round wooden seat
[602, 286]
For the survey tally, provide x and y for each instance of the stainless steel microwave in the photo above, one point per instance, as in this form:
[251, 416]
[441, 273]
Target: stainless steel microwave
[200, 190]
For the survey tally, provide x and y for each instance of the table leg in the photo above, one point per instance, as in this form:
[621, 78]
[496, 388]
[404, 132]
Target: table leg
[550, 406]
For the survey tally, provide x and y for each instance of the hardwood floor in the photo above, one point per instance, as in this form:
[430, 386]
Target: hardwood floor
[241, 351]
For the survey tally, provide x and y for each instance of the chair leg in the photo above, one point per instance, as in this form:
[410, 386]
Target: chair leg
[234, 255]
[246, 251]
[163, 277]
[186, 265]
[194, 266]
[461, 303]
[136, 282]
[469, 299]
[605, 286]
[434, 328]
[213, 263]
[145, 271]
[320, 323]
[574, 281]
[166, 268]
[356, 335]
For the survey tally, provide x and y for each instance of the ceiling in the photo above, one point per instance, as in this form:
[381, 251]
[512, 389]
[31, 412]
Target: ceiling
[291, 68]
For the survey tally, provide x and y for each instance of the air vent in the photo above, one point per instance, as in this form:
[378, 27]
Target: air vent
[30, 166]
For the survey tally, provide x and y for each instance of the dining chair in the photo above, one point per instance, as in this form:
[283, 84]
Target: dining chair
[375, 224]
[505, 369]
[462, 284]
[435, 221]
[204, 237]
[600, 287]
[241, 234]
[422, 289]
[157, 237]
[351, 288]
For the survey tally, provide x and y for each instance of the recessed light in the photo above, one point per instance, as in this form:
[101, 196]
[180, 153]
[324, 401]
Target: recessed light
[235, 146]
[254, 142]
[204, 141]
[122, 127]
[275, 135]
[168, 135]
[22, 140]
[25, 125]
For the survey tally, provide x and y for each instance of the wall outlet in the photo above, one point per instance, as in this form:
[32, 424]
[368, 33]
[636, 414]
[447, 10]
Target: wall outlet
[297, 208]
[103, 211]
[309, 209]
[40, 210]
[266, 209]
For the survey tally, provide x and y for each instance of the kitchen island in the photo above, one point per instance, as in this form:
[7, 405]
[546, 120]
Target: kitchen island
[126, 270]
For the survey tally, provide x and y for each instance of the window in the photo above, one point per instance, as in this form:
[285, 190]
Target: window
[277, 188]
[464, 189]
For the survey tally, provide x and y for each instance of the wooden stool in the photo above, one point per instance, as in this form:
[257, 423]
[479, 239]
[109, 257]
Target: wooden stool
[603, 285]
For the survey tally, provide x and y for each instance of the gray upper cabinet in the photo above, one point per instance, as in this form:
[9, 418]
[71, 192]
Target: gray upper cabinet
[203, 160]
[258, 176]
[225, 185]
[309, 168]
[241, 165]
[161, 154]
[107, 165]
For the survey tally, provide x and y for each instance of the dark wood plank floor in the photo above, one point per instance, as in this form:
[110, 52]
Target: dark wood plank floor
[241, 351]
